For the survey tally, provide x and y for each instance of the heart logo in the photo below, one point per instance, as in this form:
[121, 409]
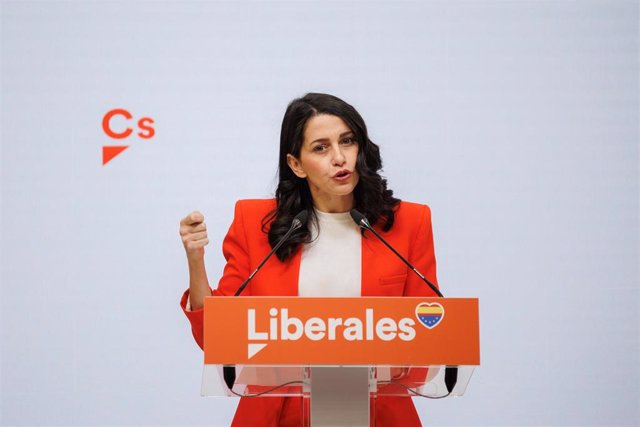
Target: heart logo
[429, 314]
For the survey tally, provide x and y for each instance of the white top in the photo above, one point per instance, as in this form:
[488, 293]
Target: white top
[331, 264]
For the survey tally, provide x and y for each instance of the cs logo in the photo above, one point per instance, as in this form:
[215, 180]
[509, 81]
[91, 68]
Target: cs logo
[113, 127]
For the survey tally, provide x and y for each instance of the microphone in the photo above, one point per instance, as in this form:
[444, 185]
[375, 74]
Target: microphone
[363, 222]
[450, 372]
[229, 371]
[297, 222]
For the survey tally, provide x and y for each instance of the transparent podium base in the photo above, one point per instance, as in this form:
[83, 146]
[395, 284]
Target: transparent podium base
[264, 381]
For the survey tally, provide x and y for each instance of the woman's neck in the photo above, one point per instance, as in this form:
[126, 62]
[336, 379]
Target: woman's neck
[336, 204]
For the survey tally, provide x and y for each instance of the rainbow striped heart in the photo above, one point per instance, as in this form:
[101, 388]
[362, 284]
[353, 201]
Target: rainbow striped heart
[429, 314]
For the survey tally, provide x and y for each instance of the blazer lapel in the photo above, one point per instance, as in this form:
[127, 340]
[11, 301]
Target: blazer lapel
[291, 274]
[369, 250]
[278, 278]
[382, 273]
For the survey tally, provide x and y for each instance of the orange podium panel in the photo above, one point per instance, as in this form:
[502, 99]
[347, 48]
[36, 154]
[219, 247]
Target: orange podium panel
[394, 331]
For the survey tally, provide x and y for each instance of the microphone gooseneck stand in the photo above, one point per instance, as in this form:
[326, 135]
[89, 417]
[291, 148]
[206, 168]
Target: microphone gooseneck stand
[450, 372]
[229, 371]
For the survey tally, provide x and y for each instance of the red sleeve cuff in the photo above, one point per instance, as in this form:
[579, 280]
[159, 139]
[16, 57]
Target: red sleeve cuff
[195, 317]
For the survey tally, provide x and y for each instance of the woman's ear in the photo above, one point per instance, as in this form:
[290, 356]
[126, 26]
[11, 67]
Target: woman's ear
[296, 166]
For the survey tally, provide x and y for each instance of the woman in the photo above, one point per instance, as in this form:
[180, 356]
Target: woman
[327, 166]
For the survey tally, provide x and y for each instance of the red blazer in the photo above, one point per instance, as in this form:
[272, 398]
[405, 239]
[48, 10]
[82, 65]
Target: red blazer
[244, 247]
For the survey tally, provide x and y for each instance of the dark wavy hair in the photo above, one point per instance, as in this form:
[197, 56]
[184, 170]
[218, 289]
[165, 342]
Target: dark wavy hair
[371, 195]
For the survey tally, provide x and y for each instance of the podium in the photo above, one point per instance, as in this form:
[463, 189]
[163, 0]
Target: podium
[339, 354]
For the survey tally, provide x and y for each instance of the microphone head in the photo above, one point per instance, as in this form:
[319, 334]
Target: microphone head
[359, 219]
[300, 219]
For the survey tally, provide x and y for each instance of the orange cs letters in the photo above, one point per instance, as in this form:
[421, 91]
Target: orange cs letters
[144, 124]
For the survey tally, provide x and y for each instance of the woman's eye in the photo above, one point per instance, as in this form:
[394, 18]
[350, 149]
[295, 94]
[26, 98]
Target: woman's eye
[319, 148]
[348, 141]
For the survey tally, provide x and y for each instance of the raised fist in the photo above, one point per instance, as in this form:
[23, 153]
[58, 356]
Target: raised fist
[193, 232]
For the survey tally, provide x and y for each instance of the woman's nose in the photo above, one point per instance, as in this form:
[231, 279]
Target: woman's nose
[338, 156]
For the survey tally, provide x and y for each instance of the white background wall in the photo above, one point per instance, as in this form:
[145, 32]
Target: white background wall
[517, 122]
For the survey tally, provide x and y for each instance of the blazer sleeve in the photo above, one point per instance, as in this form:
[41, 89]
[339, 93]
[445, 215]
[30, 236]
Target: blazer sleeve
[236, 270]
[236, 252]
[422, 256]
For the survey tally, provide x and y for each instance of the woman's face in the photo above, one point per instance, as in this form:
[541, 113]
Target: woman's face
[328, 162]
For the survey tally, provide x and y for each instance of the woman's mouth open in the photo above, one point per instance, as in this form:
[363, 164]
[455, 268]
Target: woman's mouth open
[342, 176]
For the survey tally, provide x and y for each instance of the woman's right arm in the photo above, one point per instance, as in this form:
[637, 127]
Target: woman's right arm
[193, 232]
[234, 248]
